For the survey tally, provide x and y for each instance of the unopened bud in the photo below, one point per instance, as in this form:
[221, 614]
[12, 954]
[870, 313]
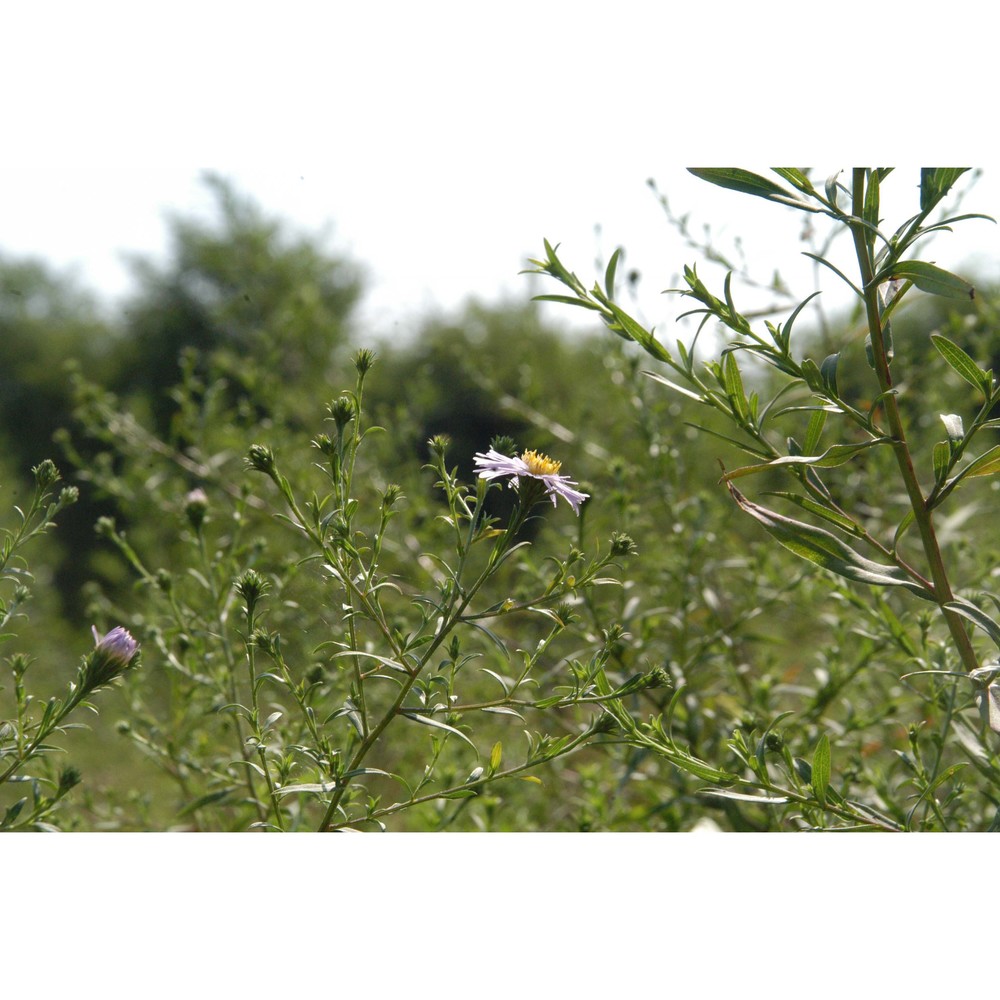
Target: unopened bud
[45, 474]
[195, 507]
[261, 459]
[110, 657]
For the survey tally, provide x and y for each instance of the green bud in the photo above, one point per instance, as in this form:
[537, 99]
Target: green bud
[364, 360]
[196, 507]
[342, 411]
[390, 495]
[604, 723]
[439, 444]
[504, 444]
[266, 642]
[260, 458]
[251, 586]
[622, 544]
[105, 527]
[45, 474]
[324, 443]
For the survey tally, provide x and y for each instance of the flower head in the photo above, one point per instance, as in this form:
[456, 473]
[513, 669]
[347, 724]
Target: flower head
[109, 658]
[118, 643]
[530, 465]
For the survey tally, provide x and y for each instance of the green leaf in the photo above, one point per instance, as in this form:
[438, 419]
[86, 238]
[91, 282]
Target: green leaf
[827, 551]
[929, 278]
[426, 720]
[609, 274]
[795, 177]
[503, 710]
[206, 800]
[813, 376]
[871, 206]
[935, 183]
[991, 697]
[737, 179]
[976, 615]
[814, 432]
[733, 384]
[808, 504]
[961, 363]
[985, 465]
[629, 329]
[821, 769]
[942, 460]
[675, 387]
[764, 800]
[836, 454]
[828, 371]
[566, 300]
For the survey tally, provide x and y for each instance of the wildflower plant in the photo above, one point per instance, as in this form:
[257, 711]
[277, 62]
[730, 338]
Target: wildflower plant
[828, 437]
[316, 671]
[26, 767]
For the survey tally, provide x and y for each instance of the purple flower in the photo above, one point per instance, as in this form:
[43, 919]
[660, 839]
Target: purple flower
[531, 465]
[112, 654]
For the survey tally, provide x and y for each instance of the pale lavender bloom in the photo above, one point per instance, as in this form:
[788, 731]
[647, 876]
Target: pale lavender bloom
[534, 466]
[108, 659]
[117, 645]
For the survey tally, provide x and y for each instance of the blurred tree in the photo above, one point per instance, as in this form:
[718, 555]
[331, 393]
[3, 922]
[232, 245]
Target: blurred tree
[45, 320]
[241, 307]
[245, 291]
[46, 323]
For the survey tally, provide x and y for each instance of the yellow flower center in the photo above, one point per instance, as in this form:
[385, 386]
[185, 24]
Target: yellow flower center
[540, 465]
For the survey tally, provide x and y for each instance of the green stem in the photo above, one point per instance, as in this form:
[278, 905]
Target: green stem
[499, 776]
[921, 512]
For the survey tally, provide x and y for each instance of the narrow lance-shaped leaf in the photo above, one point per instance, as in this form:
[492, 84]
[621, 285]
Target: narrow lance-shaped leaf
[747, 182]
[827, 551]
[985, 465]
[426, 720]
[836, 454]
[976, 615]
[734, 385]
[930, 278]
[795, 176]
[814, 432]
[821, 768]
[961, 363]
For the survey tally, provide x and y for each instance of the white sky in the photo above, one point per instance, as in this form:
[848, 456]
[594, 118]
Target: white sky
[438, 145]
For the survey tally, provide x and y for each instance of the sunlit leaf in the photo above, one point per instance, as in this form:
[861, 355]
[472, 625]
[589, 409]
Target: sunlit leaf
[827, 551]
[961, 363]
[426, 720]
[835, 455]
[764, 800]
